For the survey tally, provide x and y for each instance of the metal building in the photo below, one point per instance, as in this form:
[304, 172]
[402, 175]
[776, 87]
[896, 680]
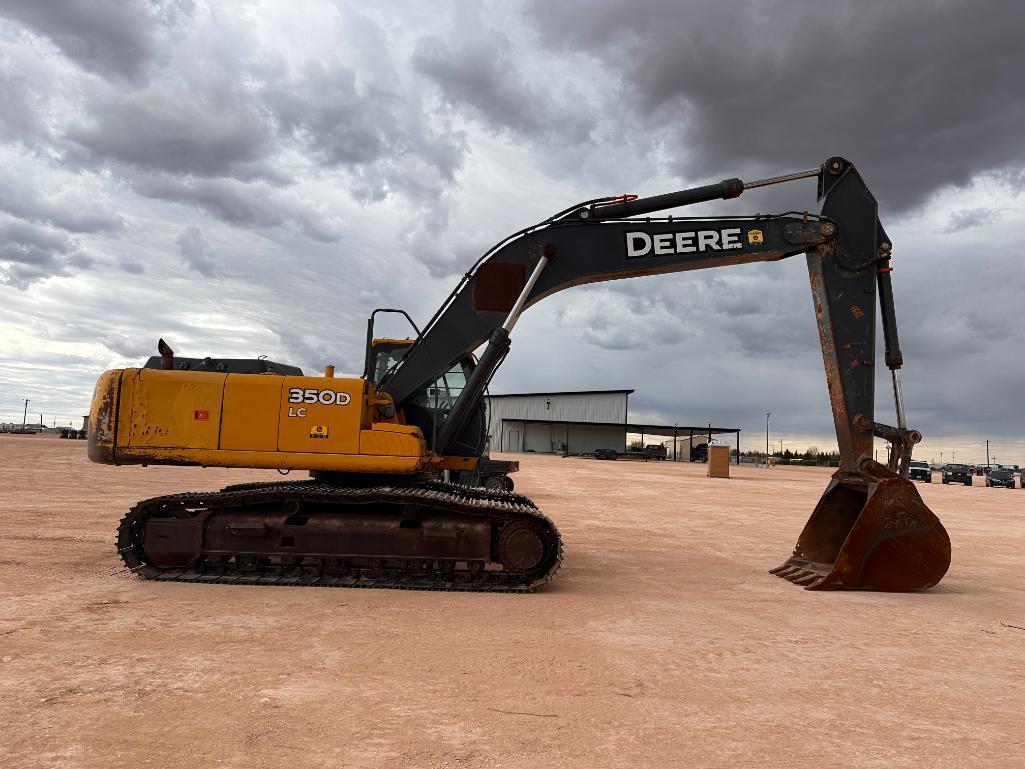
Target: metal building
[579, 422]
[550, 423]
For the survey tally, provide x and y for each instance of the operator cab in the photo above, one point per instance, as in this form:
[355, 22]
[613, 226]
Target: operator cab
[429, 407]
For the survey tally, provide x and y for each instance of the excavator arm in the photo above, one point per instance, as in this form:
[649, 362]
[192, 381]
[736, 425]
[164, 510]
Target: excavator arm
[871, 529]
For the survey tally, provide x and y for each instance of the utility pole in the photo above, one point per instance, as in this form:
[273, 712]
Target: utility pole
[767, 415]
[941, 457]
[24, 416]
[987, 453]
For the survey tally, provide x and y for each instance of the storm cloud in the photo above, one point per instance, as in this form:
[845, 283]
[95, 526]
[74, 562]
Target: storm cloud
[919, 94]
[29, 254]
[118, 38]
[156, 131]
[64, 203]
[242, 204]
[256, 181]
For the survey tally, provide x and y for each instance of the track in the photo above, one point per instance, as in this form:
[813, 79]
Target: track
[425, 536]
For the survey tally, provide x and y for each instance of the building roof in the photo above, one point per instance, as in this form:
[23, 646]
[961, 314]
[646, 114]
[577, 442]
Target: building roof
[564, 392]
[667, 430]
[660, 430]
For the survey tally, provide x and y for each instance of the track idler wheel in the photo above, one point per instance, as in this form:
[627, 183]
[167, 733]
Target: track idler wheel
[521, 547]
[870, 531]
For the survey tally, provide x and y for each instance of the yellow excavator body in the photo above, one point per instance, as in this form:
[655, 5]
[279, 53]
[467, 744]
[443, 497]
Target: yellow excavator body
[150, 416]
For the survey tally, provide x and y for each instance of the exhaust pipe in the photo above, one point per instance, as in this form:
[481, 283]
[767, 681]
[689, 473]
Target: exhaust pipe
[166, 355]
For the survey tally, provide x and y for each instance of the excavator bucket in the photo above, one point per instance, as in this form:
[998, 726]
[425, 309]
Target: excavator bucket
[870, 531]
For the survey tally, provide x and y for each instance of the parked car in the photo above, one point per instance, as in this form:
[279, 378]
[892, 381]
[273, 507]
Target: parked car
[920, 471]
[957, 474]
[1002, 478]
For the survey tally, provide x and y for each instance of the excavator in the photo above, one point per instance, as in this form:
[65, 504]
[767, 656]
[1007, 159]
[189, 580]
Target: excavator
[380, 508]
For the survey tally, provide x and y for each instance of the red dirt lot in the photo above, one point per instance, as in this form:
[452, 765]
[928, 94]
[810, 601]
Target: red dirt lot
[662, 641]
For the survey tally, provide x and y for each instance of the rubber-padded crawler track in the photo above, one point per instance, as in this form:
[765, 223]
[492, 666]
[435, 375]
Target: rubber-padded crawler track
[311, 571]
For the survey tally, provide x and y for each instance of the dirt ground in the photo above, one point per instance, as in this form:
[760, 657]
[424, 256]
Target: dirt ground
[662, 641]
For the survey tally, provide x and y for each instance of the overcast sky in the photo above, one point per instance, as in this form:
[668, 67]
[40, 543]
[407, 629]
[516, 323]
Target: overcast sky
[254, 177]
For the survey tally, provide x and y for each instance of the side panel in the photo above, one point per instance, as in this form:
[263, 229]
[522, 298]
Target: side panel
[125, 399]
[179, 409]
[320, 415]
[149, 417]
[249, 420]
[103, 417]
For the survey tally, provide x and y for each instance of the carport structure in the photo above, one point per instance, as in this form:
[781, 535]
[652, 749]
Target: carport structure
[615, 434]
[683, 432]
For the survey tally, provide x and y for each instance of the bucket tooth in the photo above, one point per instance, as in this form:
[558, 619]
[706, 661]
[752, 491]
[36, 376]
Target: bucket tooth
[814, 584]
[790, 572]
[808, 578]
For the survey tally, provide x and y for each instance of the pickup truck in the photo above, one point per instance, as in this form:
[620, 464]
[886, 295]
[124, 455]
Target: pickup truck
[957, 474]
[920, 471]
[651, 451]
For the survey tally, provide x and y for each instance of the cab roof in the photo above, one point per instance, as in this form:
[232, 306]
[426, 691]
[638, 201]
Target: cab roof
[385, 340]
